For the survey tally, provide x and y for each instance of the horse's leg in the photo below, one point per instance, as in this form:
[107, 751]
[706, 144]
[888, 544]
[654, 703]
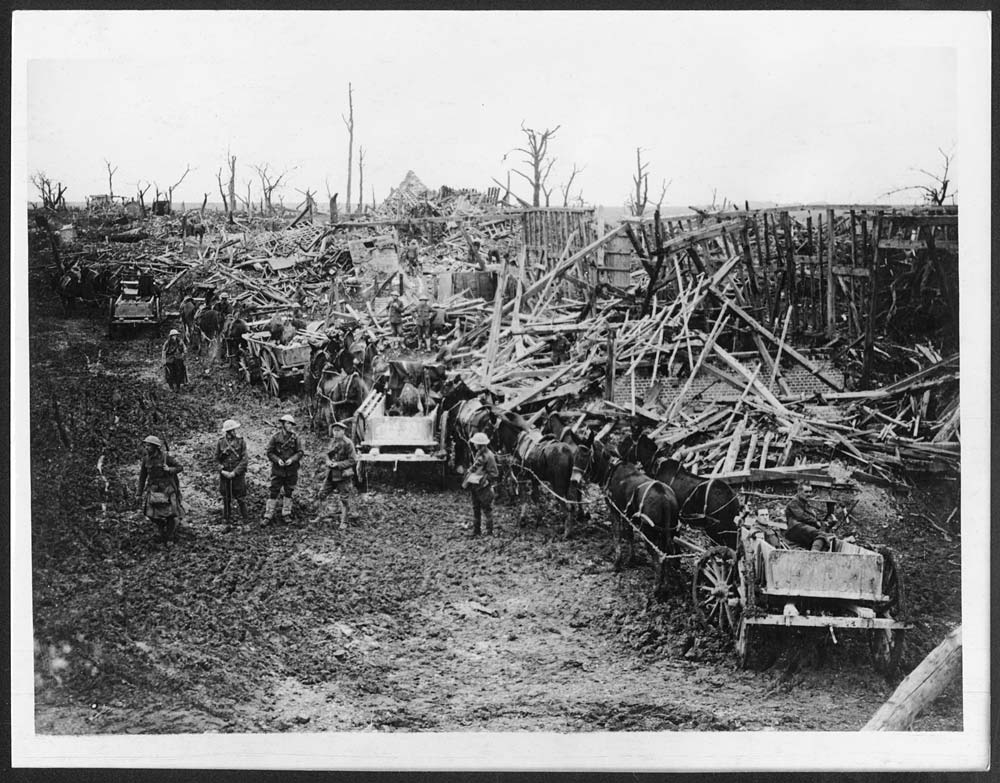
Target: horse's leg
[618, 534]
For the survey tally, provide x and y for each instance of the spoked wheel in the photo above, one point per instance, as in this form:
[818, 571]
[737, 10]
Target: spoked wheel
[245, 371]
[269, 374]
[715, 589]
[885, 645]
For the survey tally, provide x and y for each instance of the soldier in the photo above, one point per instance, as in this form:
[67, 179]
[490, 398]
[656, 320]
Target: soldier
[224, 306]
[173, 360]
[158, 487]
[479, 480]
[411, 258]
[423, 316]
[297, 320]
[285, 453]
[475, 256]
[560, 349]
[231, 454]
[340, 461]
[804, 527]
[395, 315]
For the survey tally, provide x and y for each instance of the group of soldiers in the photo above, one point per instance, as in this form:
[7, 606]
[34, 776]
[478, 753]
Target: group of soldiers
[160, 491]
[423, 317]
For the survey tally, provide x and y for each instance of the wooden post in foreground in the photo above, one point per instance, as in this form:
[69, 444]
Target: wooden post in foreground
[921, 686]
[609, 370]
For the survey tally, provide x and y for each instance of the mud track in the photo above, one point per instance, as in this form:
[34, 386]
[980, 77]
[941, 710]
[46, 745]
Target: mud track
[402, 621]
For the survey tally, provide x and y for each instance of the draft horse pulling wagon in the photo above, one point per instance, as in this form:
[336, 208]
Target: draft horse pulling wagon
[273, 364]
[768, 585]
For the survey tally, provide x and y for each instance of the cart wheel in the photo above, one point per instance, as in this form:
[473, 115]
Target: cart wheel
[886, 646]
[244, 368]
[715, 589]
[756, 646]
[269, 374]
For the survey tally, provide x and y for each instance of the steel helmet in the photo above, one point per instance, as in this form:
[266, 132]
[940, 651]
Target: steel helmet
[230, 424]
[338, 425]
[481, 439]
[153, 440]
[224, 295]
[287, 417]
[174, 333]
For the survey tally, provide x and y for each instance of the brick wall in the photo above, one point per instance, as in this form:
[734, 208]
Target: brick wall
[707, 388]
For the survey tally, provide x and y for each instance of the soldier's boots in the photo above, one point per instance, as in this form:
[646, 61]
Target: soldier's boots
[243, 510]
[476, 522]
[286, 508]
[269, 509]
[488, 517]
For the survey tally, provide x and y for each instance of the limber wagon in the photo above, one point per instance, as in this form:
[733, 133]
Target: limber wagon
[768, 587]
[273, 364]
[396, 439]
[130, 310]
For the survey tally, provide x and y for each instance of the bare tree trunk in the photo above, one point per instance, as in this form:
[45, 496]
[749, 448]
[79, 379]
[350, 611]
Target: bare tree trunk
[361, 178]
[225, 202]
[232, 187]
[204, 201]
[111, 174]
[333, 208]
[349, 122]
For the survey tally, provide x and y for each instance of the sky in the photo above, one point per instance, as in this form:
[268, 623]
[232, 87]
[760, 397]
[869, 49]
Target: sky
[786, 106]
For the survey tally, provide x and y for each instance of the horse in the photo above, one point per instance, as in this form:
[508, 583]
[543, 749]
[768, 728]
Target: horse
[466, 415]
[188, 310]
[77, 283]
[338, 397]
[547, 461]
[209, 323]
[633, 498]
[233, 332]
[705, 503]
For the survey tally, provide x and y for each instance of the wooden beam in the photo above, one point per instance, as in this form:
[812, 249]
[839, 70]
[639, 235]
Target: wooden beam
[921, 686]
[831, 287]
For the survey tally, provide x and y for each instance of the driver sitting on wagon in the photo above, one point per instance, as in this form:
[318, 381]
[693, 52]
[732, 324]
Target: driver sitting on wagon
[803, 524]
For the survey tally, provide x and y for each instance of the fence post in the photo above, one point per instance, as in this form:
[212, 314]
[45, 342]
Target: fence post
[831, 281]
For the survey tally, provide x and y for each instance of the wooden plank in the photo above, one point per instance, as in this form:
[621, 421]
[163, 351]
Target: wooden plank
[768, 437]
[921, 686]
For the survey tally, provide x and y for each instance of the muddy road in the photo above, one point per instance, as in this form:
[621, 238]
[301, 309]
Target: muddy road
[400, 622]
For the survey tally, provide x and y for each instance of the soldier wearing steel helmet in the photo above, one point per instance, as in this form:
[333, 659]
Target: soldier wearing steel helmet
[284, 452]
[158, 488]
[340, 461]
[231, 455]
[423, 317]
[173, 360]
[479, 481]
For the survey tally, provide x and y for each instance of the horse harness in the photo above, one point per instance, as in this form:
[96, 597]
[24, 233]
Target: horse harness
[707, 483]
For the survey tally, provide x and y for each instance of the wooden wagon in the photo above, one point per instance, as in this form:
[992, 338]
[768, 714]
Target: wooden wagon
[273, 364]
[130, 310]
[396, 439]
[768, 586]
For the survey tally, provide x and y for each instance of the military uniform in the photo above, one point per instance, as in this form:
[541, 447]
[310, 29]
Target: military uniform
[338, 477]
[160, 489]
[411, 257]
[231, 454]
[485, 468]
[803, 524]
[423, 316]
[395, 315]
[173, 358]
[284, 446]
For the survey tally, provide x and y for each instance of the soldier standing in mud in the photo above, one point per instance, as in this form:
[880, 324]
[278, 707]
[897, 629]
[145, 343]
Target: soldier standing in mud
[224, 307]
[395, 315]
[284, 452]
[173, 360]
[340, 461]
[479, 481]
[158, 488]
[231, 454]
[423, 316]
